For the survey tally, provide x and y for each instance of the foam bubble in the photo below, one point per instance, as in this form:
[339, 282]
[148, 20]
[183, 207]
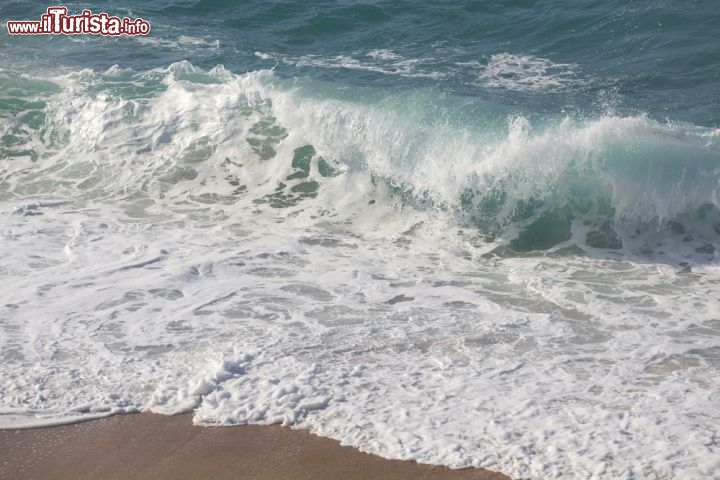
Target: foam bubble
[526, 73]
[384, 62]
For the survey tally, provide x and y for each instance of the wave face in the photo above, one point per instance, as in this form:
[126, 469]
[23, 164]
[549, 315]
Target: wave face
[624, 184]
[460, 233]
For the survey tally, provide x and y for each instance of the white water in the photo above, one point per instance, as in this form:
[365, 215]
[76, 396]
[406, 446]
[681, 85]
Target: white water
[137, 276]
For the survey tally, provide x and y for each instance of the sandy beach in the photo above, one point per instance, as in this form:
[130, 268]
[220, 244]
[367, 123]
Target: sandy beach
[149, 446]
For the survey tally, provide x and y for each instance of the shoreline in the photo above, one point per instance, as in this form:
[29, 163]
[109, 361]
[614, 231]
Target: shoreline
[154, 446]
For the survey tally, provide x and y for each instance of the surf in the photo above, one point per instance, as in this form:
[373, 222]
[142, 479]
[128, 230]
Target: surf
[523, 183]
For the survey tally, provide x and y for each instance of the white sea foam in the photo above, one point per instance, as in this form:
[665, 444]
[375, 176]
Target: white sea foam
[524, 73]
[383, 54]
[181, 42]
[148, 269]
[527, 73]
[385, 62]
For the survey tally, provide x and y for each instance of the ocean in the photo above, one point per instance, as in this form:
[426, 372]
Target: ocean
[469, 233]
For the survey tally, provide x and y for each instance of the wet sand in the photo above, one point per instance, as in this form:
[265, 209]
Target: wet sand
[158, 447]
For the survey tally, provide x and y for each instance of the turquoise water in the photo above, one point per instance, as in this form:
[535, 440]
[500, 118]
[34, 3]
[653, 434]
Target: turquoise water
[467, 233]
